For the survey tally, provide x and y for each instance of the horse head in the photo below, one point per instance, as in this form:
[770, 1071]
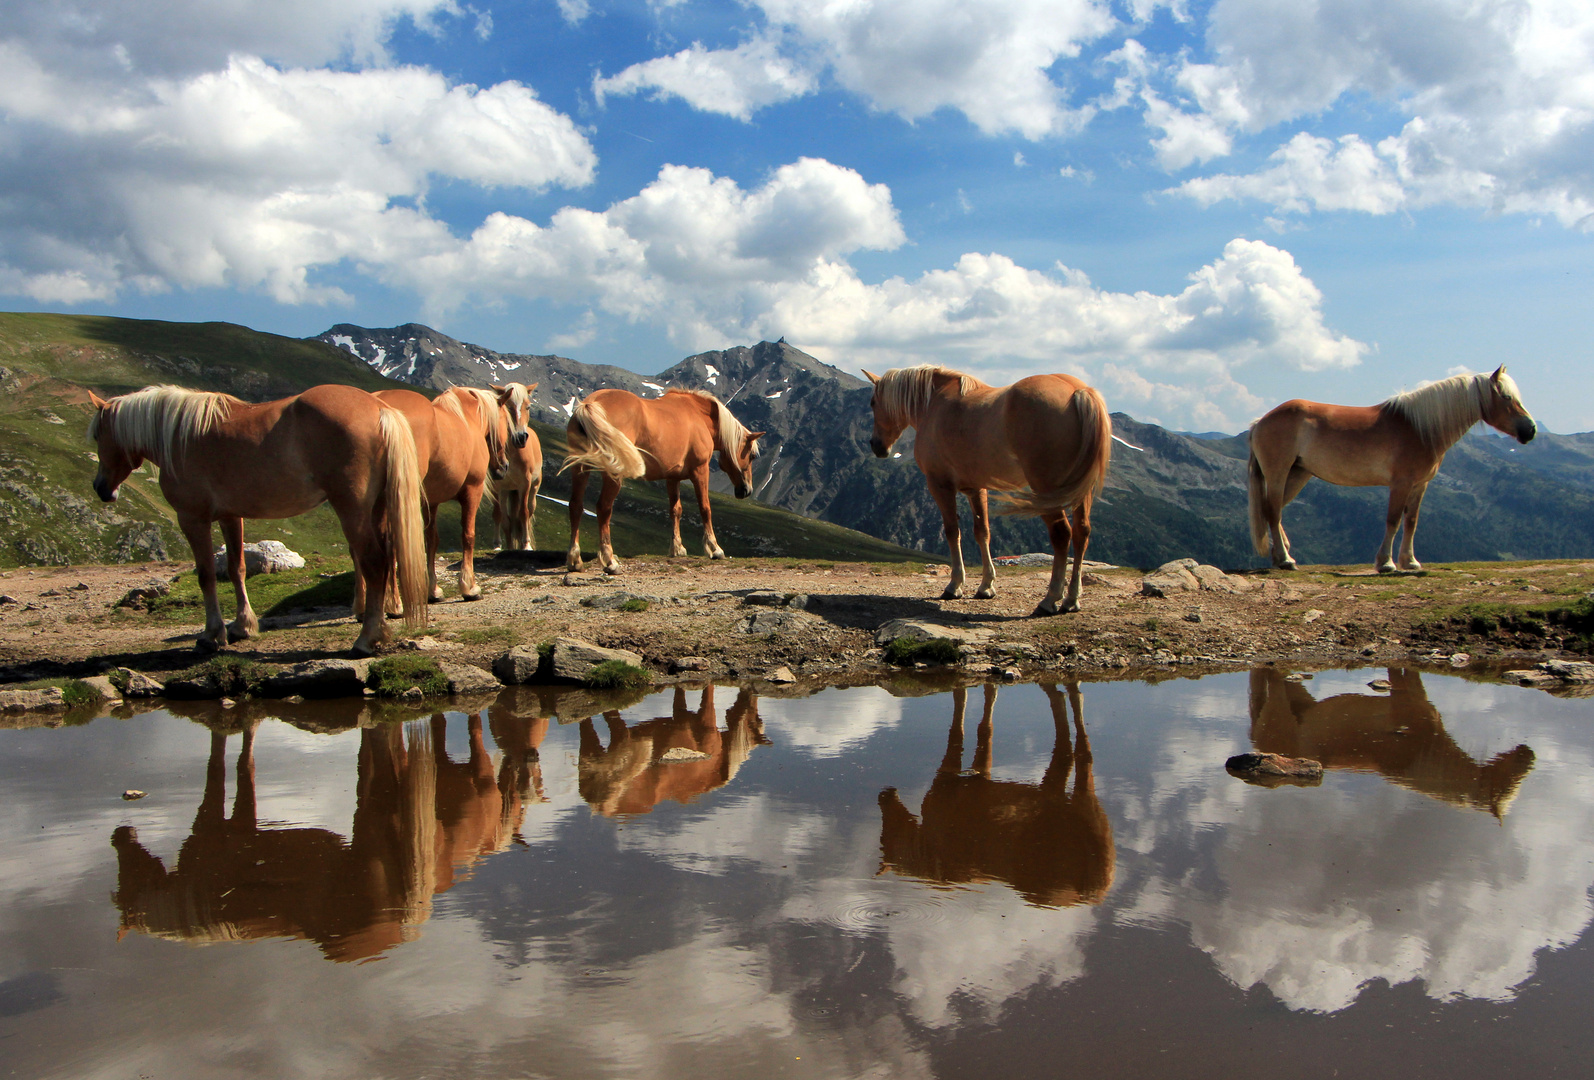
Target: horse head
[888, 425]
[116, 461]
[739, 466]
[1504, 410]
[515, 400]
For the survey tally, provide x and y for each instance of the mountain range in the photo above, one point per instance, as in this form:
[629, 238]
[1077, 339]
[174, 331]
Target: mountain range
[1168, 494]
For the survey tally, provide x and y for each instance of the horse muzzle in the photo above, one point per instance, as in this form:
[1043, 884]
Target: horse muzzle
[880, 448]
[104, 490]
[520, 438]
[1526, 429]
[742, 491]
[497, 471]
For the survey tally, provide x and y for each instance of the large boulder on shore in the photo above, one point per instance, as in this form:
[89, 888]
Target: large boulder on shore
[518, 666]
[573, 659]
[924, 630]
[319, 679]
[266, 557]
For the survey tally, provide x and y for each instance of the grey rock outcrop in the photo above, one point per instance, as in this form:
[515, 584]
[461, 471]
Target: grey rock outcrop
[574, 659]
[265, 557]
[924, 630]
[319, 679]
[518, 666]
[1271, 770]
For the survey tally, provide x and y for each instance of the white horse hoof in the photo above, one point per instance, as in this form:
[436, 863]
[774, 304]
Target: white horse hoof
[985, 593]
[613, 567]
[477, 595]
[1386, 568]
[1045, 607]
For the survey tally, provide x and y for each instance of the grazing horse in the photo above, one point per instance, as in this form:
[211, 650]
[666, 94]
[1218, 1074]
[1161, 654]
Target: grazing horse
[514, 494]
[460, 438]
[670, 438]
[1053, 846]
[1050, 433]
[222, 459]
[1399, 444]
[1399, 735]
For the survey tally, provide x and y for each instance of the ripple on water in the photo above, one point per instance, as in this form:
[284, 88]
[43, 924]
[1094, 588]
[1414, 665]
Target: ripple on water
[919, 906]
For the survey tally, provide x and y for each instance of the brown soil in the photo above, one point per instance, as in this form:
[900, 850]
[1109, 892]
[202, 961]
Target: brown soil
[63, 620]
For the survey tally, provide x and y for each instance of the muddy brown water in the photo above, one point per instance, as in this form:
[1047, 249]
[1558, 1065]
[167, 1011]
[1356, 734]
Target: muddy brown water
[1028, 881]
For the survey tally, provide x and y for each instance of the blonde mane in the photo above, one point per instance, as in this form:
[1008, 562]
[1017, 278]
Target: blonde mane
[1444, 411]
[488, 405]
[160, 421]
[732, 434]
[903, 393]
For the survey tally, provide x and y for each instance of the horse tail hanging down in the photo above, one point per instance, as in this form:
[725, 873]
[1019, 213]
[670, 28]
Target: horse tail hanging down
[1258, 498]
[608, 450]
[1088, 470]
[405, 521]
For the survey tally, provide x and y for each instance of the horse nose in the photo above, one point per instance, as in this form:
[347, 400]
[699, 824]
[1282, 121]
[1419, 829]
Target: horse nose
[498, 471]
[1526, 429]
[521, 438]
[742, 491]
[879, 448]
[105, 491]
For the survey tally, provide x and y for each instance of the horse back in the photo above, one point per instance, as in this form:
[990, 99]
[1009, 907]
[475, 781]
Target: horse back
[675, 432]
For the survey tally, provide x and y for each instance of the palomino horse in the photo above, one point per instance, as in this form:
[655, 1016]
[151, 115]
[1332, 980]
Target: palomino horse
[670, 438]
[1399, 735]
[460, 438]
[1052, 845]
[1399, 444]
[514, 494]
[222, 459]
[1050, 433]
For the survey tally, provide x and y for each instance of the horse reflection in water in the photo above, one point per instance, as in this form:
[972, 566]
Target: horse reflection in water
[1399, 735]
[680, 756]
[1053, 845]
[422, 821]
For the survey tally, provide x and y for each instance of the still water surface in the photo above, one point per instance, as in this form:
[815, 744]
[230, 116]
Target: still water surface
[1017, 882]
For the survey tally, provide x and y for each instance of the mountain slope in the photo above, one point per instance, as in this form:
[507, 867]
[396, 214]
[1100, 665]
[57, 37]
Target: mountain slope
[48, 514]
[1176, 495]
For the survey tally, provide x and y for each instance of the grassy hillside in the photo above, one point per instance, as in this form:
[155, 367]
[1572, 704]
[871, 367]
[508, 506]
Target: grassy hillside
[49, 514]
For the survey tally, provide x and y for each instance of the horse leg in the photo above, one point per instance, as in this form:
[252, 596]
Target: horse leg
[606, 497]
[979, 504]
[1277, 493]
[578, 494]
[1397, 507]
[245, 625]
[528, 516]
[711, 546]
[1057, 529]
[946, 500]
[197, 532]
[672, 490]
[373, 569]
[470, 501]
[1408, 560]
[434, 591]
[1081, 542]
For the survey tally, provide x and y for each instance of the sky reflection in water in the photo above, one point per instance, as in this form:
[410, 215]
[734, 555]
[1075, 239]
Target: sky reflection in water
[710, 883]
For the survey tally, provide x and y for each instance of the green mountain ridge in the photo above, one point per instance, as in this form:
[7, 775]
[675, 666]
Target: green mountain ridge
[50, 516]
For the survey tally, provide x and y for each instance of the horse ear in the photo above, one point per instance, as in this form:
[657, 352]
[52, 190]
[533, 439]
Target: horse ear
[751, 435]
[873, 378]
[530, 387]
[97, 401]
[1499, 371]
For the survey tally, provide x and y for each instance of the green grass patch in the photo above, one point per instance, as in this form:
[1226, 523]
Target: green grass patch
[235, 675]
[636, 603]
[393, 675]
[488, 635]
[906, 652]
[617, 675]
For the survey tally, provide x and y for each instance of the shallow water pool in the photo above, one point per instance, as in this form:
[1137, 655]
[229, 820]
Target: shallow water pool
[1022, 881]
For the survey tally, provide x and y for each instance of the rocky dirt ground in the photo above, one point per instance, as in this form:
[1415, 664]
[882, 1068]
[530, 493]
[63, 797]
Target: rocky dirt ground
[747, 617]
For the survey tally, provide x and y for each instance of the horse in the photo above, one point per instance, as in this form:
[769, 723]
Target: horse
[1050, 433]
[1399, 735]
[1052, 846]
[514, 495]
[222, 459]
[460, 438]
[1398, 444]
[670, 438]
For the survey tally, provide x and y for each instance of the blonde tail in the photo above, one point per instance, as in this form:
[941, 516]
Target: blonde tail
[1260, 539]
[1089, 469]
[607, 449]
[406, 534]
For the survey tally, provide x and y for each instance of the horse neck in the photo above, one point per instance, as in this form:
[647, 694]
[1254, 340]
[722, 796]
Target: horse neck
[1442, 413]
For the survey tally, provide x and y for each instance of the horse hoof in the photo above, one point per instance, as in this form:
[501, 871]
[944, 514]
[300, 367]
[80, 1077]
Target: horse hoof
[1045, 607]
[952, 593]
[207, 645]
[471, 596]
[985, 594]
[237, 635]
[613, 568]
[1386, 568]
[1070, 608]
[1287, 564]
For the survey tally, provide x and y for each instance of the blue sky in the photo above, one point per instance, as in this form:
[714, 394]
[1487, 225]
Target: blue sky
[1203, 208]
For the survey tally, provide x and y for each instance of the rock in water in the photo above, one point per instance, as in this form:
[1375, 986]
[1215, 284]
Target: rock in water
[1271, 770]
